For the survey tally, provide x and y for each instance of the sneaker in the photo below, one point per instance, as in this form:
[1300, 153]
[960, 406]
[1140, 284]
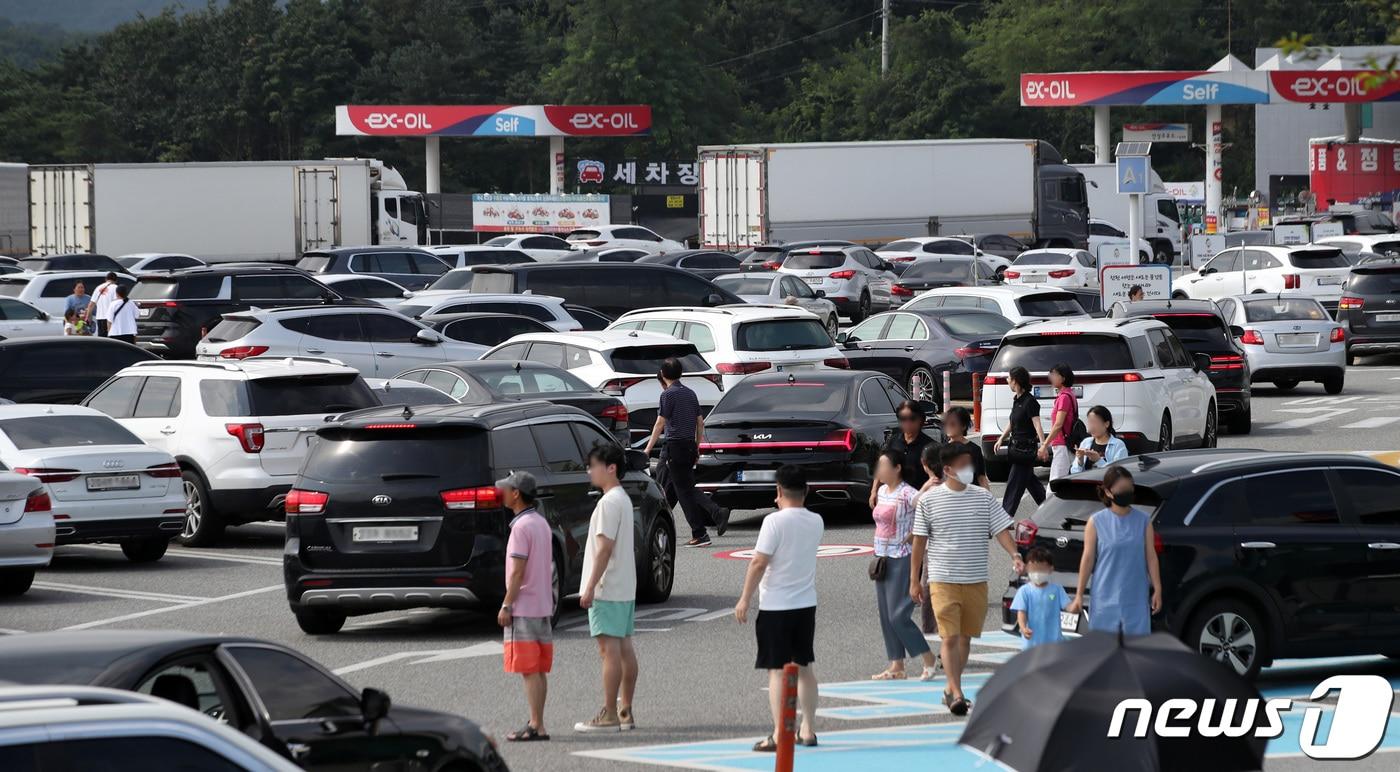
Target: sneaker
[605, 721]
[723, 524]
[703, 541]
[625, 718]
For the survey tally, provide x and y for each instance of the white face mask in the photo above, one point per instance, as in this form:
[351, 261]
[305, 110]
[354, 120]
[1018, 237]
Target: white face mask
[1039, 577]
[965, 475]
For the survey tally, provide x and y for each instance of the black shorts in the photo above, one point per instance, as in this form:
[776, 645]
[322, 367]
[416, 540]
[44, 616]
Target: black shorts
[785, 636]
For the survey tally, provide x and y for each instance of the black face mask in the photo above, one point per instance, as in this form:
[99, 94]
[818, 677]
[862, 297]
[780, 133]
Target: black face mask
[1123, 499]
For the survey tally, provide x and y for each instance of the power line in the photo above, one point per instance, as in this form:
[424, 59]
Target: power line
[808, 36]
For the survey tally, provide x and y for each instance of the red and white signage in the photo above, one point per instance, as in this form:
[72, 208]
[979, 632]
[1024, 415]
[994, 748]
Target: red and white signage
[493, 120]
[1344, 172]
[538, 213]
[1333, 86]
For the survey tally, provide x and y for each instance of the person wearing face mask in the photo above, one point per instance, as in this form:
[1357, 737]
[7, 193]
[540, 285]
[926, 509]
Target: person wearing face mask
[952, 523]
[894, 520]
[1038, 603]
[1102, 447]
[1119, 562]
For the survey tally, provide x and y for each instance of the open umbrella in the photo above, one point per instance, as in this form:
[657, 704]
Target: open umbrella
[1050, 708]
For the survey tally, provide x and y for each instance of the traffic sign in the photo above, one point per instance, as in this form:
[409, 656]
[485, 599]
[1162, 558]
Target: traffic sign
[1134, 174]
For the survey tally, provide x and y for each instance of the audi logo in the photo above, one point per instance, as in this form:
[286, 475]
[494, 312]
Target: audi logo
[113, 463]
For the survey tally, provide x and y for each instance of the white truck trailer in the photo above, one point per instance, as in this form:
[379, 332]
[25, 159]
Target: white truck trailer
[255, 210]
[877, 192]
[1161, 224]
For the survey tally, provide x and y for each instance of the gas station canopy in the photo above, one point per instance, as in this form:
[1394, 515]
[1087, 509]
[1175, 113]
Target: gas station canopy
[1202, 87]
[493, 120]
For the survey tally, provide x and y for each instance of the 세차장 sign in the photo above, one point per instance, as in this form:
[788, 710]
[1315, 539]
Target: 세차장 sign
[1116, 280]
[522, 213]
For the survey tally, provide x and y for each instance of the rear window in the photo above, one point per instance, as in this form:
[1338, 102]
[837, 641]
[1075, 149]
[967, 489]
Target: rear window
[1319, 258]
[781, 335]
[745, 285]
[976, 325]
[491, 282]
[1286, 309]
[801, 261]
[582, 235]
[294, 395]
[314, 263]
[1042, 258]
[456, 456]
[66, 431]
[531, 381]
[186, 287]
[785, 398]
[13, 287]
[232, 329]
[1038, 353]
[1196, 332]
[412, 310]
[1074, 503]
[1050, 305]
[129, 262]
[1385, 248]
[453, 280]
[959, 270]
[646, 360]
[1366, 281]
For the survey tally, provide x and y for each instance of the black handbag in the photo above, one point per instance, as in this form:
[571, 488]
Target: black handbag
[877, 569]
[1022, 451]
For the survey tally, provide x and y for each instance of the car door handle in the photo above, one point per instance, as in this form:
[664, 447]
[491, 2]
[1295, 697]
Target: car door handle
[1384, 545]
[1257, 545]
[298, 750]
[383, 354]
[168, 430]
[315, 351]
[595, 493]
[908, 348]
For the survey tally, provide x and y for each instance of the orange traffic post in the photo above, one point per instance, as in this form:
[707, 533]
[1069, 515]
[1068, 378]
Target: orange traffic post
[976, 403]
[787, 728]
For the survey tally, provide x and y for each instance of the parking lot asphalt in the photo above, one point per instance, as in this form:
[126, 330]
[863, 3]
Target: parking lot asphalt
[697, 682]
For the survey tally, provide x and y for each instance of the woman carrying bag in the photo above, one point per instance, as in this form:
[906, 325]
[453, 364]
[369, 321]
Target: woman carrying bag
[1102, 446]
[1023, 437]
[894, 525]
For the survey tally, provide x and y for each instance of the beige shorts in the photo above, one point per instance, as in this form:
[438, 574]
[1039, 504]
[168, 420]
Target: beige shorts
[959, 608]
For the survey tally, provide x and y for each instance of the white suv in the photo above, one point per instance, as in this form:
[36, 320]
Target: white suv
[854, 278]
[1316, 270]
[621, 363]
[1160, 395]
[1013, 301]
[238, 430]
[739, 340]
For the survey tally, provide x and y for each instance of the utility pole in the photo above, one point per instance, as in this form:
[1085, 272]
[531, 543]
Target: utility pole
[884, 37]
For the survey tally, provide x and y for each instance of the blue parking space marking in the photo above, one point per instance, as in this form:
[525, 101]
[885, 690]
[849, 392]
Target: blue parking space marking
[894, 699]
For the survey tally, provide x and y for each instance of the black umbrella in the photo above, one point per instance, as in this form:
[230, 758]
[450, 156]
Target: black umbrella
[1050, 708]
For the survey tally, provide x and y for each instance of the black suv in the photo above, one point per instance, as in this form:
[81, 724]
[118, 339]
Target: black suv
[1370, 308]
[62, 370]
[175, 310]
[1203, 330]
[1263, 555]
[71, 262]
[612, 288]
[770, 257]
[407, 266]
[396, 509]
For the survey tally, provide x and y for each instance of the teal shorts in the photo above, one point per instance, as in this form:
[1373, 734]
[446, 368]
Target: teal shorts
[613, 618]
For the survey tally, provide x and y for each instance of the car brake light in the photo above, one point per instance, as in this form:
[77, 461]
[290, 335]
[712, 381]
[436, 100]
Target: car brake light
[1252, 338]
[714, 378]
[38, 501]
[1349, 303]
[992, 380]
[1292, 281]
[1011, 274]
[48, 474]
[250, 436]
[618, 413]
[393, 425]
[242, 352]
[1132, 377]
[840, 363]
[814, 251]
[846, 274]
[972, 351]
[1025, 532]
[486, 497]
[742, 368]
[844, 439]
[164, 470]
[1227, 362]
[1061, 274]
[772, 265]
[619, 386]
[1338, 335]
[900, 260]
[300, 502]
[595, 243]
[1062, 332]
[901, 290]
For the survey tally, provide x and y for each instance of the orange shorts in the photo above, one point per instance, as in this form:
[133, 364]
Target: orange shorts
[529, 643]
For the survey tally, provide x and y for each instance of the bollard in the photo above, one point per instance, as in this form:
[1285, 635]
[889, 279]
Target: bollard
[947, 394]
[976, 403]
[787, 728]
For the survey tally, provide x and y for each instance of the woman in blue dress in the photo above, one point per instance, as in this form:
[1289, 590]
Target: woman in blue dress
[1120, 559]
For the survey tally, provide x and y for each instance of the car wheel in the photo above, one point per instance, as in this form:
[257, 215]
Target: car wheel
[924, 385]
[1229, 631]
[1211, 435]
[15, 581]
[1334, 384]
[658, 569]
[202, 525]
[1351, 358]
[833, 326]
[320, 621]
[1179, 295]
[1243, 422]
[1286, 384]
[1161, 254]
[145, 550]
[862, 308]
[1164, 434]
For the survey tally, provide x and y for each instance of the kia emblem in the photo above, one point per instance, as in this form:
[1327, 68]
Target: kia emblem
[1062, 541]
[381, 500]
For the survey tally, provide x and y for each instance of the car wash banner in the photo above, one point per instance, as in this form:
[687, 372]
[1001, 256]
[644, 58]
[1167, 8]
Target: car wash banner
[525, 213]
[492, 120]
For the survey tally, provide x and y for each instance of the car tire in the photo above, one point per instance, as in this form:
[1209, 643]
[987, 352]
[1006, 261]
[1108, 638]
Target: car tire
[1210, 436]
[1179, 295]
[833, 326]
[657, 573]
[1164, 434]
[1242, 423]
[1287, 384]
[15, 581]
[145, 550]
[556, 581]
[203, 527]
[1230, 631]
[1162, 255]
[320, 621]
[926, 375]
[862, 311]
[1335, 384]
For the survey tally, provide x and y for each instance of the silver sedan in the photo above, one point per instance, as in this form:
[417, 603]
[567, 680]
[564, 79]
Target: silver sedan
[26, 531]
[781, 289]
[1288, 338]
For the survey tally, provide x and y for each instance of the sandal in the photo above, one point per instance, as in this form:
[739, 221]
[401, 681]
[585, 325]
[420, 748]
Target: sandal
[526, 735]
[810, 742]
[929, 674]
[890, 675]
[766, 745]
[960, 706]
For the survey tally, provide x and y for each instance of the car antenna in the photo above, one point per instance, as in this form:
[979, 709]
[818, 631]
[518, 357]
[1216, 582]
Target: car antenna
[517, 365]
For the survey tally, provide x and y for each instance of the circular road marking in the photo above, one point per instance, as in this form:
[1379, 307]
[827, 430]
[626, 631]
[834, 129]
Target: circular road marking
[824, 551]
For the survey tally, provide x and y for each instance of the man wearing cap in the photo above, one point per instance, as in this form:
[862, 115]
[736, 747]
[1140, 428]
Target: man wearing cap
[527, 612]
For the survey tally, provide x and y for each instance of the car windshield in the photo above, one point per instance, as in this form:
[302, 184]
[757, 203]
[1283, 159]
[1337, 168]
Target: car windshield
[530, 380]
[976, 325]
[781, 335]
[130, 262]
[66, 431]
[802, 261]
[1198, 331]
[1285, 310]
[1365, 280]
[785, 398]
[745, 285]
[1050, 305]
[314, 263]
[492, 283]
[1042, 258]
[581, 235]
[1081, 351]
[309, 395]
[412, 310]
[1318, 258]
[455, 454]
[647, 359]
[950, 247]
[453, 280]
[232, 328]
[925, 270]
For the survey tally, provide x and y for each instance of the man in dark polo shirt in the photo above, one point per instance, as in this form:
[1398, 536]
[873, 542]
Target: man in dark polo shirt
[910, 440]
[679, 418]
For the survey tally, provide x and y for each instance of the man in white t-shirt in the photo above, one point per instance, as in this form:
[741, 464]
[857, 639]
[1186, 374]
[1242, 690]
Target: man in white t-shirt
[784, 571]
[609, 589]
[100, 309]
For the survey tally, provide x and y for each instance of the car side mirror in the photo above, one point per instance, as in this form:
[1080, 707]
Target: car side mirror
[821, 293]
[329, 297]
[929, 407]
[374, 705]
[43, 316]
[1207, 271]
[885, 265]
[1236, 331]
[842, 337]
[427, 337]
[637, 461]
[713, 299]
[1200, 362]
[407, 294]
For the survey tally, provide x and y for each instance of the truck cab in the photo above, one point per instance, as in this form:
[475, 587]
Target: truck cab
[400, 217]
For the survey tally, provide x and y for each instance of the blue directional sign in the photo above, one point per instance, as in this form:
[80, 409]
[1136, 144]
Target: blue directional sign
[1134, 173]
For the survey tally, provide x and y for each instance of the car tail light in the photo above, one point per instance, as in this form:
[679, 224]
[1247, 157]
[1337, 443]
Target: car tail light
[391, 425]
[993, 380]
[1025, 532]
[250, 436]
[485, 497]
[618, 413]
[840, 363]
[1157, 544]
[844, 439]
[162, 304]
[619, 386]
[972, 351]
[714, 378]
[846, 274]
[1061, 274]
[1350, 303]
[901, 291]
[1227, 362]
[1011, 274]
[1132, 377]
[1292, 281]
[595, 243]
[300, 502]
[742, 368]
[38, 501]
[1252, 338]
[1338, 335]
[772, 265]
[164, 470]
[900, 260]
[49, 474]
[242, 352]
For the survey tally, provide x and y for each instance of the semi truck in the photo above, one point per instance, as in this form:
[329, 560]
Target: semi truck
[877, 192]
[1161, 224]
[217, 211]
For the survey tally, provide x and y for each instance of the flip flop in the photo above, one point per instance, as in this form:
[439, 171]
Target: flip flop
[766, 745]
[929, 674]
[526, 735]
[889, 675]
[960, 707]
[810, 742]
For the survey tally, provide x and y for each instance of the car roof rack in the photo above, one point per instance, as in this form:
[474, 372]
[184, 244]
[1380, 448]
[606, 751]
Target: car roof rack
[185, 363]
[291, 360]
[687, 309]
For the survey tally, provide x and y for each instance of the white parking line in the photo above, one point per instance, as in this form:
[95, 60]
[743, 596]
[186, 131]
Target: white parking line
[1372, 423]
[117, 592]
[197, 554]
[180, 607]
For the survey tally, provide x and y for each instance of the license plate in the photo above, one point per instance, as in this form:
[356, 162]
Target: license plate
[815, 280]
[797, 366]
[114, 482]
[755, 475]
[1032, 279]
[1046, 391]
[1069, 622]
[143, 312]
[1388, 317]
[1322, 280]
[385, 533]
[1297, 339]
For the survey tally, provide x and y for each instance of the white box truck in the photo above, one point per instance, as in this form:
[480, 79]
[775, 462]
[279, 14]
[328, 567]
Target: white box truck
[256, 210]
[1161, 224]
[877, 192]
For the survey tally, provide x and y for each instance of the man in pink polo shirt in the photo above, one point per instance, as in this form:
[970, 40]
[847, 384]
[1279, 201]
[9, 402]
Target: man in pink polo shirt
[528, 610]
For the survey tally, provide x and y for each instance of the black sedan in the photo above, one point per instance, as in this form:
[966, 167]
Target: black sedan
[831, 423]
[487, 329]
[928, 273]
[705, 263]
[482, 382]
[269, 692]
[917, 347]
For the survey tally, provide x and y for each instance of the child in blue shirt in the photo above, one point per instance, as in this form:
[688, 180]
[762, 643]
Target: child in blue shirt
[1038, 603]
